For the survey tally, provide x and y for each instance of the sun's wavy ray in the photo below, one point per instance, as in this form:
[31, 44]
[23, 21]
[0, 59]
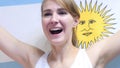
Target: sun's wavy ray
[90, 6]
[111, 19]
[108, 32]
[105, 35]
[102, 11]
[87, 45]
[99, 7]
[110, 28]
[86, 6]
[82, 45]
[94, 7]
[81, 6]
[108, 16]
[105, 13]
[112, 23]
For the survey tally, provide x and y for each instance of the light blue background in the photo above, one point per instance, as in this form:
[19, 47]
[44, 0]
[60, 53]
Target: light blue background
[114, 64]
[17, 2]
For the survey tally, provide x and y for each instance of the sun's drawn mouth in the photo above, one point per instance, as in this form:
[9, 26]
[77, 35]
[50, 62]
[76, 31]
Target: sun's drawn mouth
[87, 33]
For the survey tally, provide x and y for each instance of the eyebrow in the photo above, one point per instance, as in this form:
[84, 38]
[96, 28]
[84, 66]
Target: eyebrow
[46, 10]
[59, 9]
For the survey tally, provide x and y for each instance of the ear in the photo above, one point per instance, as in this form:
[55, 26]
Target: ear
[76, 21]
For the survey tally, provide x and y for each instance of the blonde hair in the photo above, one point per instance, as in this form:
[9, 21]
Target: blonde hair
[72, 8]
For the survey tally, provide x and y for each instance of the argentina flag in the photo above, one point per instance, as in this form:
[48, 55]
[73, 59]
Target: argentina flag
[22, 18]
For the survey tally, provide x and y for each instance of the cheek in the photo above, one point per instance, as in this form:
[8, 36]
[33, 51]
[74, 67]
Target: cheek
[69, 23]
[44, 22]
[66, 19]
[44, 25]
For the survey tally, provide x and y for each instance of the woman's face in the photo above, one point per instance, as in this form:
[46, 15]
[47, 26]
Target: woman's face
[57, 23]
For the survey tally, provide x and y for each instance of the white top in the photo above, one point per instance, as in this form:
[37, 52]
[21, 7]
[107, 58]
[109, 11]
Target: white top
[81, 61]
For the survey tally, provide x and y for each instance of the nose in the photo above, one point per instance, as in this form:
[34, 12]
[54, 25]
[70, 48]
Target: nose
[86, 27]
[54, 19]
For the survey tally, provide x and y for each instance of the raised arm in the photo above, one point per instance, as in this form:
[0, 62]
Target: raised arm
[105, 50]
[112, 47]
[23, 53]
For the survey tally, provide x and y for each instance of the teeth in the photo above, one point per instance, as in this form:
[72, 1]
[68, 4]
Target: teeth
[54, 29]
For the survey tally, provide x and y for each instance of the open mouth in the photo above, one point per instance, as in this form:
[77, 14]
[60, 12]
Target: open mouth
[56, 30]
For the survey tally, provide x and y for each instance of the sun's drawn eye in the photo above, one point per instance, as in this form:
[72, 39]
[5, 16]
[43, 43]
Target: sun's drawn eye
[82, 22]
[91, 21]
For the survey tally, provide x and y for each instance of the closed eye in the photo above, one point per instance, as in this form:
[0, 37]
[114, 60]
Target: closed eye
[62, 12]
[47, 14]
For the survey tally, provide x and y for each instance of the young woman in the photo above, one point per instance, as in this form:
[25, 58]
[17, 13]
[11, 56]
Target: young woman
[59, 19]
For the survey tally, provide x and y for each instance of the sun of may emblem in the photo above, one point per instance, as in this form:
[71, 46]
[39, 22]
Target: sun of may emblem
[94, 24]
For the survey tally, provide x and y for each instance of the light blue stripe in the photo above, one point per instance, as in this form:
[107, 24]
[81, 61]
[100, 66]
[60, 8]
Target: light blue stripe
[10, 65]
[114, 64]
[18, 2]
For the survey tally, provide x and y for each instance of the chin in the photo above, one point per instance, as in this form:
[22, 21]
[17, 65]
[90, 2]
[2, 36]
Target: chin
[59, 41]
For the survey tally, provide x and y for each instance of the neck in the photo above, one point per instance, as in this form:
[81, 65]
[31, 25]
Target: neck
[58, 53]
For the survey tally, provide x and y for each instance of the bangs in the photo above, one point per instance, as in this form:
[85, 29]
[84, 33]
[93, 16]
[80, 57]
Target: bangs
[70, 6]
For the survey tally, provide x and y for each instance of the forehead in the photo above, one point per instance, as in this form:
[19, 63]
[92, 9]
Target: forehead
[51, 4]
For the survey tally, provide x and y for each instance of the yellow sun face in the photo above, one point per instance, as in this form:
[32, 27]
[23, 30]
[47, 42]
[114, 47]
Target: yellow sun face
[93, 24]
